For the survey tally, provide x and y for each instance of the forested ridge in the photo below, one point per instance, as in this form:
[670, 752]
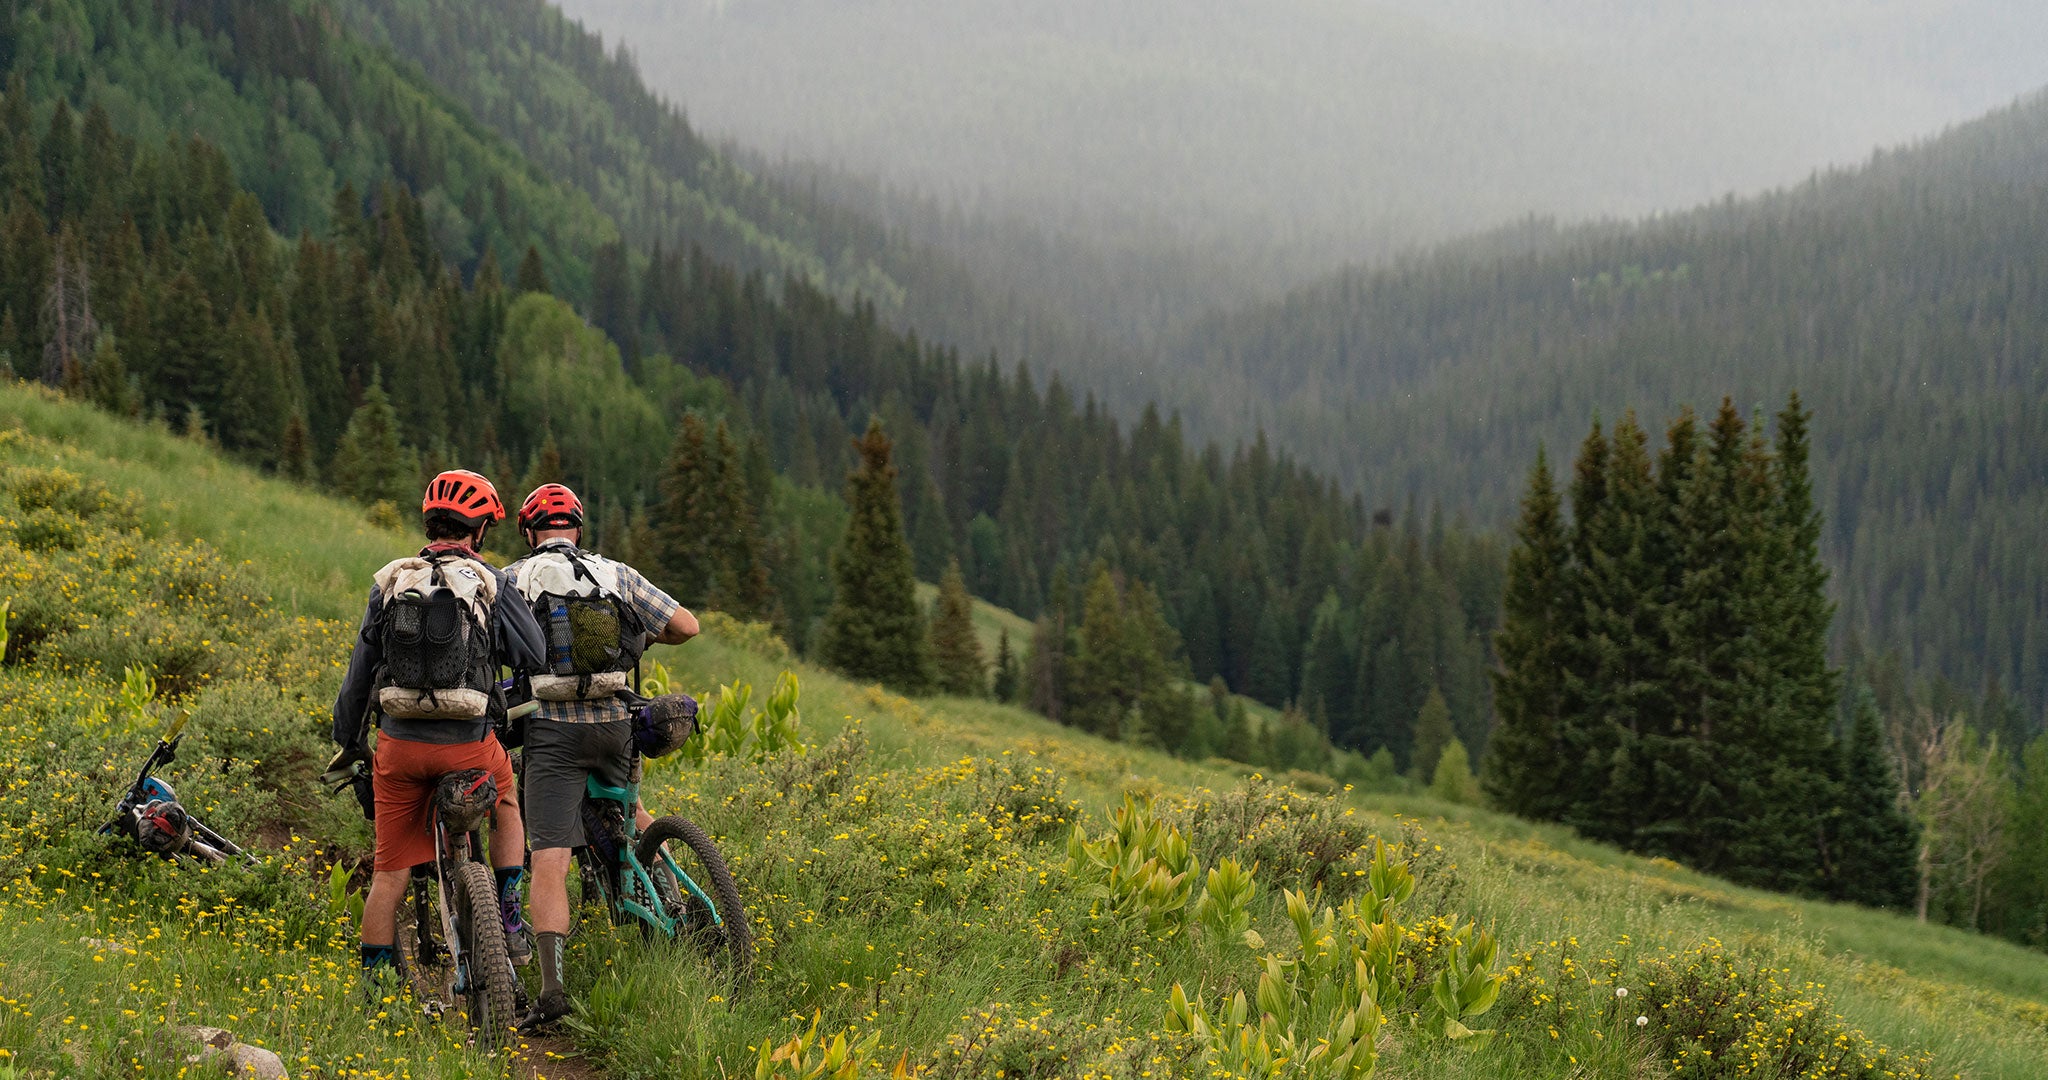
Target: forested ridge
[1903, 300]
[359, 339]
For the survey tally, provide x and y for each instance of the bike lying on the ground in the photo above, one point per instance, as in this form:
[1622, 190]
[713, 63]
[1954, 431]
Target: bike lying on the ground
[150, 814]
[468, 936]
[641, 877]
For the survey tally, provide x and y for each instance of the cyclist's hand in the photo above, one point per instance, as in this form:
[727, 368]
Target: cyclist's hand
[341, 768]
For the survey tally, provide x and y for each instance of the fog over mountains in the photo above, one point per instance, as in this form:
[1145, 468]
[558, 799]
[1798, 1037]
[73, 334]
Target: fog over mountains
[1283, 139]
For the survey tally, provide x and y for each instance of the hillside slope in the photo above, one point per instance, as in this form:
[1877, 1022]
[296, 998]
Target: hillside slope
[910, 880]
[1901, 299]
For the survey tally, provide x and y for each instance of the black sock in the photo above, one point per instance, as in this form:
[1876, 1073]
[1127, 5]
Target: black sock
[509, 878]
[376, 956]
[551, 945]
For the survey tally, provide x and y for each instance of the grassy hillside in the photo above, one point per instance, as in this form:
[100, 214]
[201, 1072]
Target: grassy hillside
[909, 873]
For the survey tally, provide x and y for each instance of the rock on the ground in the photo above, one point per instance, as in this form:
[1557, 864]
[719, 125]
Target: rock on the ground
[236, 1057]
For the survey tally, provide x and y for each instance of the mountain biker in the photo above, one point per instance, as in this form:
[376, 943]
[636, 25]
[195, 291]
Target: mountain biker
[582, 729]
[425, 734]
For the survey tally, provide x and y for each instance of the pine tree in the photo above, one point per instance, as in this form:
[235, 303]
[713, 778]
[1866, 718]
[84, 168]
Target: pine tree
[1240, 742]
[532, 277]
[1874, 840]
[107, 380]
[956, 652]
[741, 583]
[1623, 645]
[295, 451]
[1098, 691]
[1433, 732]
[874, 629]
[255, 404]
[1522, 758]
[59, 154]
[1329, 669]
[1045, 667]
[1271, 674]
[1007, 675]
[1452, 779]
[371, 463]
[686, 521]
[186, 368]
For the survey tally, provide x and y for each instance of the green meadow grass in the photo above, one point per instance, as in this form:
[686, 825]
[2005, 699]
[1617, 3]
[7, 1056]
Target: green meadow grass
[949, 976]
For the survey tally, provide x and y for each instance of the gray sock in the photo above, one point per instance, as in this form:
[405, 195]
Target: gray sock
[551, 945]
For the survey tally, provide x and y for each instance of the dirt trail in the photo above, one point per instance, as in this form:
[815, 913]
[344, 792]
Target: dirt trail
[552, 1057]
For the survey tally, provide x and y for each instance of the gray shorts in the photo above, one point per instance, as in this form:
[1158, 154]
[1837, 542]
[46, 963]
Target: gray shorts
[556, 760]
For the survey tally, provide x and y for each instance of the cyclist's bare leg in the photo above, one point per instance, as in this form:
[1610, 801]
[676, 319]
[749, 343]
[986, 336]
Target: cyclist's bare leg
[508, 836]
[550, 915]
[550, 893]
[380, 908]
[641, 818]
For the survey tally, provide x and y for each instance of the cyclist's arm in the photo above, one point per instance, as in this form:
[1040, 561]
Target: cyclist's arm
[352, 704]
[667, 622]
[682, 626]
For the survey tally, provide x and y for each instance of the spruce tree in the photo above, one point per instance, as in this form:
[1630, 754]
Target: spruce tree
[1874, 840]
[686, 520]
[1624, 605]
[107, 380]
[956, 652]
[1801, 625]
[1522, 758]
[741, 583]
[1007, 675]
[372, 463]
[1329, 669]
[1433, 732]
[874, 629]
[187, 368]
[1240, 742]
[295, 451]
[1452, 779]
[532, 277]
[1098, 691]
[1271, 672]
[255, 404]
[1045, 667]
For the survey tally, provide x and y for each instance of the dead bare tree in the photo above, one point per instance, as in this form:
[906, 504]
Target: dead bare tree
[67, 318]
[1962, 808]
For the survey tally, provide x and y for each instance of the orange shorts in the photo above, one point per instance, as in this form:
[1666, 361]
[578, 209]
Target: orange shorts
[403, 775]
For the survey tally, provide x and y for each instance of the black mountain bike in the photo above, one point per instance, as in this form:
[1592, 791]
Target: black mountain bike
[466, 942]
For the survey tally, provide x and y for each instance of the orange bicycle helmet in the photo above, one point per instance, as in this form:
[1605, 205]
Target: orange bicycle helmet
[551, 506]
[462, 496]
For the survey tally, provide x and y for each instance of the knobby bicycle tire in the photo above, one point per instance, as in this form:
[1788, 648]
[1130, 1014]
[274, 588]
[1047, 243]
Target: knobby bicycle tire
[733, 941]
[492, 987]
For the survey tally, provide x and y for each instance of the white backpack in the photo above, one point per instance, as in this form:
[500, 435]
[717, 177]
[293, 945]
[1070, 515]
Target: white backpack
[594, 636]
[435, 628]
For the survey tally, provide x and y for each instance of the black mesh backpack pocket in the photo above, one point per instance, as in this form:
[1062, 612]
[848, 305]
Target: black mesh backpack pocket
[448, 652]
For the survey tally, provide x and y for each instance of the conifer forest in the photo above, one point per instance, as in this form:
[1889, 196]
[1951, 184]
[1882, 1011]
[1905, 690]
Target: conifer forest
[1802, 645]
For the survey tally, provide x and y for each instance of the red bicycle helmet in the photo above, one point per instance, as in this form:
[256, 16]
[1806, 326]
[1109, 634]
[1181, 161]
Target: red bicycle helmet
[551, 506]
[462, 496]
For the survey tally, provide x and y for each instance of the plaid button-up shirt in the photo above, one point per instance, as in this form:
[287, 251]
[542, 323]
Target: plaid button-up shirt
[655, 609]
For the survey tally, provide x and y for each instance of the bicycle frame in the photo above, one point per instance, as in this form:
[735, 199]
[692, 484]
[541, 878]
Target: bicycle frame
[206, 845]
[635, 893]
[451, 850]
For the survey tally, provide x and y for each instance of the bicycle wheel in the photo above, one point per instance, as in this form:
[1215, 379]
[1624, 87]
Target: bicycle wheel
[728, 939]
[491, 985]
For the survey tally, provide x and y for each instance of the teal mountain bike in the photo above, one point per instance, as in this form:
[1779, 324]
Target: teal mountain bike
[671, 879]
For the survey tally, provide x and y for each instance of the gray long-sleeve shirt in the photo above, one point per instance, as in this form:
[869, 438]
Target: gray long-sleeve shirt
[516, 642]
